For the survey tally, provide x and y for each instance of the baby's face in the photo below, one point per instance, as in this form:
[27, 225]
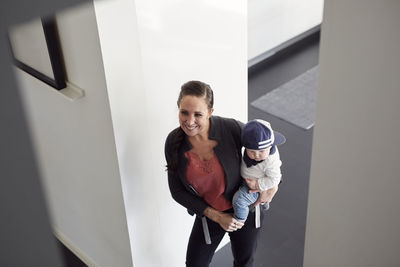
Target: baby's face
[258, 155]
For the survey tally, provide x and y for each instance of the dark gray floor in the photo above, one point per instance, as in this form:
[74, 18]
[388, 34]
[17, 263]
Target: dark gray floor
[282, 237]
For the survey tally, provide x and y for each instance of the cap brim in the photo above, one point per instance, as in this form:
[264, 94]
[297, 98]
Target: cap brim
[279, 138]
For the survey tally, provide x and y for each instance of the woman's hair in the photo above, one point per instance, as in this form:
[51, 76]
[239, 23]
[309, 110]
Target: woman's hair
[192, 88]
[199, 89]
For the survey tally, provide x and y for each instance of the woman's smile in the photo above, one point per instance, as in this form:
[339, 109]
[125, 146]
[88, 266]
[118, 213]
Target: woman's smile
[191, 127]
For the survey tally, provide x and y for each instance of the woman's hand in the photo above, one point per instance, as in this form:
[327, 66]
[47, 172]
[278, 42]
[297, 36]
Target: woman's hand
[265, 196]
[225, 220]
[252, 184]
[228, 223]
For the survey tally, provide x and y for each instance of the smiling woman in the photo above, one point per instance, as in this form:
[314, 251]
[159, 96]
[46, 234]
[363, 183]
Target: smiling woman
[194, 115]
[203, 160]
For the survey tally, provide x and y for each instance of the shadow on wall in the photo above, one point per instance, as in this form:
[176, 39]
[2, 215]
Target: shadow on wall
[65, 98]
[25, 222]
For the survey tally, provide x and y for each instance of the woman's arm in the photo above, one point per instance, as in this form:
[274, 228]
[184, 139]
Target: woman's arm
[266, 196]
[181, 195]
[178, 190]
[225, 220]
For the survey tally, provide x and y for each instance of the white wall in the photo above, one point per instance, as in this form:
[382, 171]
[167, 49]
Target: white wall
[353, 211]
[149, 49]
[274, 22]
[76, 151]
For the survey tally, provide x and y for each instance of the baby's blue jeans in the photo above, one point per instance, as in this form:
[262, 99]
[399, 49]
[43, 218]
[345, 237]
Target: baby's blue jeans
[242, 200]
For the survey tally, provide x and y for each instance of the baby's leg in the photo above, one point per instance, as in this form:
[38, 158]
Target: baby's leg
[241, 202]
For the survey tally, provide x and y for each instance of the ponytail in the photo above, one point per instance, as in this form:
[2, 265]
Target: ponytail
[173, 162]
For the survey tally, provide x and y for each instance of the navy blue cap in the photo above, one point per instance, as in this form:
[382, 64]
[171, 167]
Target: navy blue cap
[258, 135]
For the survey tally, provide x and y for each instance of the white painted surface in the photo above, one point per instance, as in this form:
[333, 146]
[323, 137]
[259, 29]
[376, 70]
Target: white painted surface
[274, 22]
[150, 48]
[75, 148]
[353, 211]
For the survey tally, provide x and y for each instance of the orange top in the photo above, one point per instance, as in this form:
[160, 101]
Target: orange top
[208, 178]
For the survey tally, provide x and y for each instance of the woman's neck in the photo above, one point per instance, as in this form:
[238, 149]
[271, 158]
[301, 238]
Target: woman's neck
[201, 137]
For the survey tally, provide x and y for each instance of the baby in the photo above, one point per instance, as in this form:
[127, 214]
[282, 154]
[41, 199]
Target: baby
[261, 165]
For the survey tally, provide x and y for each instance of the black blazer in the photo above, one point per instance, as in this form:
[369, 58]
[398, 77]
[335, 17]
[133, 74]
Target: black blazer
[227, 133]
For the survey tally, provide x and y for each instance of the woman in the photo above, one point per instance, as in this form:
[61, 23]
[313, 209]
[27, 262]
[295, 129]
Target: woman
[203, 161]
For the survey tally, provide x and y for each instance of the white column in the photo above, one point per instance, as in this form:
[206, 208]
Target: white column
[149, 49]
[353, 211]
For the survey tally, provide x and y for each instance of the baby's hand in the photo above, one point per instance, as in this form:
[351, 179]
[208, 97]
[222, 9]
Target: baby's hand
[252, 184]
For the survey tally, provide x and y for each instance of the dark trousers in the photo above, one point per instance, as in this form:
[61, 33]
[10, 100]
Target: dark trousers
[243, 243]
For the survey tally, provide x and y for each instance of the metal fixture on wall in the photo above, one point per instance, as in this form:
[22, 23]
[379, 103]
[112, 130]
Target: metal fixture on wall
[36, 50]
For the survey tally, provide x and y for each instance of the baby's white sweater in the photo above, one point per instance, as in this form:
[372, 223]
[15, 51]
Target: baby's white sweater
[268, 172]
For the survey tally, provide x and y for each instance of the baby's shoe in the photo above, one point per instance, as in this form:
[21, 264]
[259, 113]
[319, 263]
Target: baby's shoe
[265, 206]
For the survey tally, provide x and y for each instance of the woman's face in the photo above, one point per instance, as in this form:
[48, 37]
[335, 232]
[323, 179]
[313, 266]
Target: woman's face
[194, 115]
